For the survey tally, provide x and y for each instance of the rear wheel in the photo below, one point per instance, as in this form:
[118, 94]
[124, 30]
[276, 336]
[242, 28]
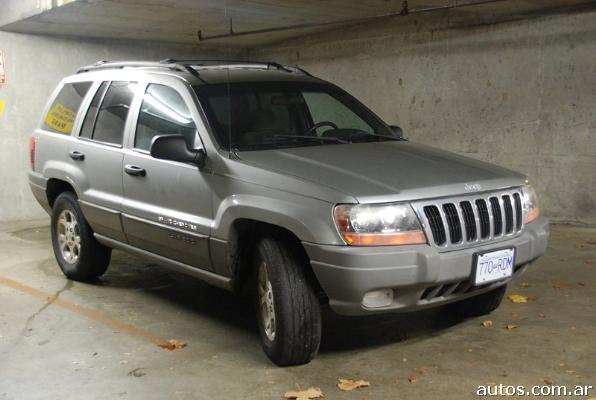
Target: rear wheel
[80, 256]
[288, 310]
[479, 305]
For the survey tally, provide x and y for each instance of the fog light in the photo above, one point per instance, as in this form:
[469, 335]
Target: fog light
[378, 298]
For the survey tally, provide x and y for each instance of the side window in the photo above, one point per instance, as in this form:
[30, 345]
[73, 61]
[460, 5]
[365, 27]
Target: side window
[62, 113]
[89, 121]
[111, 116]
[164, 112]
[324, 107]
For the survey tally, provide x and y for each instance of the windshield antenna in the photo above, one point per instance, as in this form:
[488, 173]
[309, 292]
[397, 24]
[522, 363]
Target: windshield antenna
[231, 153]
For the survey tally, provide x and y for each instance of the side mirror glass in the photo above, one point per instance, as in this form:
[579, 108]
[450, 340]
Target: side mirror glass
[174, 148]
[397, 131]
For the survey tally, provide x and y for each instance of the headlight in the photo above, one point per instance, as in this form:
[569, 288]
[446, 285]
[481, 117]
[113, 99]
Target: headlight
[531, 209]
[378, 225]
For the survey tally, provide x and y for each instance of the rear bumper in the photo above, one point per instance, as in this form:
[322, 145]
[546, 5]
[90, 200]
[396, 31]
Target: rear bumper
[38, 185]
[420, 276]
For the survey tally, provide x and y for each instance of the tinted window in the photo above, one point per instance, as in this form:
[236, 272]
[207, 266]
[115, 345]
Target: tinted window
[260, 115]
[163, 112]
[112, 114]
[60, 118]
[87, 129]
[324, 107]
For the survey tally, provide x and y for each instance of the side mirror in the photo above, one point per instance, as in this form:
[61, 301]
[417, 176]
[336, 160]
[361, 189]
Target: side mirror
[397, 131]
[174, 148]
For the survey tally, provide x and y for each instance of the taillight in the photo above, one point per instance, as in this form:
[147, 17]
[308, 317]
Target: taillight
[32, 142]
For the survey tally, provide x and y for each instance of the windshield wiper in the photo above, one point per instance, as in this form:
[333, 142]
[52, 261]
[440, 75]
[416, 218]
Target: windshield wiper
[332, 139]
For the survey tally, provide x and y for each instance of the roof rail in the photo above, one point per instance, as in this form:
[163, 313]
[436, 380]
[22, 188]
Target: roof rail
[186, 65]
[268, 64]
[138, 64]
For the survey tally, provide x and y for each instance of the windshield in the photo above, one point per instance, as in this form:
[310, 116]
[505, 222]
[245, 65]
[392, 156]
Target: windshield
[262, 115]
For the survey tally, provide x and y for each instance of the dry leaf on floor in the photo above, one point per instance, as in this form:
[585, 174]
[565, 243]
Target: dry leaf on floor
[524, 285]
[487, 324]
[310, 393]
[420, 370]
[349, 384]
[517, 298]
[588, 262]
[172, 344]
[137, 372]
[581, 284]
[511, 327]
[559, 286]
[548, 381]
[541, 315]
[412, 379]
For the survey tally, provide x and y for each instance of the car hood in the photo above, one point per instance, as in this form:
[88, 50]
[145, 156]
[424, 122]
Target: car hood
[385, 171]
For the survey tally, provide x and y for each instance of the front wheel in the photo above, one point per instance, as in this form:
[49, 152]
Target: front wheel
[482, 304]
[289, 313]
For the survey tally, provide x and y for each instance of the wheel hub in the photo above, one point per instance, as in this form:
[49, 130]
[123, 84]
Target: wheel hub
[266, 305]
[69, 236]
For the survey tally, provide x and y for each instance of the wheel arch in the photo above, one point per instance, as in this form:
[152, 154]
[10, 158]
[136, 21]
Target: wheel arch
[55, 187]
[245, 234]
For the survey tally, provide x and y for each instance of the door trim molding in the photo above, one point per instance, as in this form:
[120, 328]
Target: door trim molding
[164, 226]
[206, 276]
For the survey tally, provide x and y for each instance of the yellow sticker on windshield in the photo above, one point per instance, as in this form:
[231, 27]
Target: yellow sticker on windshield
[61, 118]
[2, 105]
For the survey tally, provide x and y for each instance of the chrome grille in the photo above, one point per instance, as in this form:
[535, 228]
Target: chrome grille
[467, 220]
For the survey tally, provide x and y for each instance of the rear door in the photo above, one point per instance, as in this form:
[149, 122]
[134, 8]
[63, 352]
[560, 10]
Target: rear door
[98, 155]
[167, 205]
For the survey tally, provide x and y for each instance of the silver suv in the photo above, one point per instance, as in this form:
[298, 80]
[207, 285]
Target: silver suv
[262, 179]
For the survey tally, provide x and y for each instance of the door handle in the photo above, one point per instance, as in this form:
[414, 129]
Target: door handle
[134, 170]
[76, 155]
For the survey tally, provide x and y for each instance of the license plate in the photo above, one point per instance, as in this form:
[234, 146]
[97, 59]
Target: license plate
[493, 266]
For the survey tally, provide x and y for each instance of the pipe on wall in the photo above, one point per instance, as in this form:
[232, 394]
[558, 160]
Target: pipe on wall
[405, 10]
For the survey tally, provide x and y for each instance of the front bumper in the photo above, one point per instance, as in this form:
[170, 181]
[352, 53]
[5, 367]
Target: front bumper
[419, 275]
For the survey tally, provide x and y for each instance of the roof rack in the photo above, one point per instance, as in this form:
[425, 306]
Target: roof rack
[187, 65]
[254, 64]
[138, 64]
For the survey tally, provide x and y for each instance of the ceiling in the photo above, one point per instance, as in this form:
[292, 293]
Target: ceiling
[179, 20]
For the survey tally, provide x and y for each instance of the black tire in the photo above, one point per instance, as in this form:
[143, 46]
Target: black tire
[482, 304]
[90, 259]
[297, 311]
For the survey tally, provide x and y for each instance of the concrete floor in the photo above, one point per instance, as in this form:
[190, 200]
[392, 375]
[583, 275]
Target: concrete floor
[98, 341]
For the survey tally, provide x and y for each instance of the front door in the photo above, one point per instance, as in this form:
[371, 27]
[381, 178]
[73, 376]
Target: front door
[167, 205]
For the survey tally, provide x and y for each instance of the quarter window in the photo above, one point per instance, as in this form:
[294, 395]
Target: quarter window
[164, 112]
[60, 118]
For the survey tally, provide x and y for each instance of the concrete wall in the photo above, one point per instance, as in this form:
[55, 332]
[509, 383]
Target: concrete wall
[34, 66]
[521, 94]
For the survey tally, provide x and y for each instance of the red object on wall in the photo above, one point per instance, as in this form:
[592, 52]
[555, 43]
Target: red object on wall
[2, 73]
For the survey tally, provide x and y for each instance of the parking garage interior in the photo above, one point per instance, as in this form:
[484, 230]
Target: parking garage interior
[510, 82]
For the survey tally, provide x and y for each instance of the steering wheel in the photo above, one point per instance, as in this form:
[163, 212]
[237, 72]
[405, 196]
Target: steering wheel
[318, 125]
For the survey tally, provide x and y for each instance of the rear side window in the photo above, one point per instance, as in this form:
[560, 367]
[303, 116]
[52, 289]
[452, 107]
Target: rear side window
[164, 112]
[111, 117]
[63, 111]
